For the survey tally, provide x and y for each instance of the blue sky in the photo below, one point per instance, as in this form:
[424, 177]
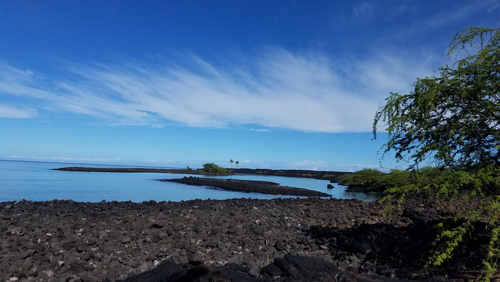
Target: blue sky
[277, 84]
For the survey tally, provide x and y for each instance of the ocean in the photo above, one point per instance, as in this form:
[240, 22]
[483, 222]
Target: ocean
[37, 181]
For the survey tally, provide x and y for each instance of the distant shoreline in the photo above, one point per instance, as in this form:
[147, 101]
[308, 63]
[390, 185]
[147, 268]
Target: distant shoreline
[322, 175]
[130, 170]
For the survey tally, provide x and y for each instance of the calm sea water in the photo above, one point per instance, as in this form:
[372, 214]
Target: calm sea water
[36, 181]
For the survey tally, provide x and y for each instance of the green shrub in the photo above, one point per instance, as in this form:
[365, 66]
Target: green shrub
[397, 178]
[211, 168]
[362, 178]
[449, 183]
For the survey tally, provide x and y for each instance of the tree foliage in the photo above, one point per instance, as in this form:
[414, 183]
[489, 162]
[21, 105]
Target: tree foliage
[454, 117]
[212, 168]
[374, 180]
[365, 178]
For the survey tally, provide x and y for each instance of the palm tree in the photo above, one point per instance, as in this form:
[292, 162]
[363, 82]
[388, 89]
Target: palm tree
[231, 161]
[237, 164]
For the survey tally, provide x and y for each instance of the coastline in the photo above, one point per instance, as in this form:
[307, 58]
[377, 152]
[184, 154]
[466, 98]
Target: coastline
[276, 190]
[323, 175]
[129, 170]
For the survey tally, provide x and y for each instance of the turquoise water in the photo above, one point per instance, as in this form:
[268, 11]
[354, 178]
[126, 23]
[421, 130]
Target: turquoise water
[36, 181]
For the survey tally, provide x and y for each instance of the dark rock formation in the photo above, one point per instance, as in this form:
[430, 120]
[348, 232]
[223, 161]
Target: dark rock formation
[290, 268]
[263, 187]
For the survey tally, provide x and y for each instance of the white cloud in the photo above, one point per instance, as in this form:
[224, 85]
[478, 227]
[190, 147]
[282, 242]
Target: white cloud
[311, 165]
[458, 13]
[280, 89]
[494, 7]
[347, 167]
[393, 73]
[154, 161]
[17, 82]
[258, 130]
[7, 111]
[65, 159]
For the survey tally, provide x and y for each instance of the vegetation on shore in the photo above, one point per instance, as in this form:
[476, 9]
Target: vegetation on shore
[453, 121]
[211, 168]
[374, 180]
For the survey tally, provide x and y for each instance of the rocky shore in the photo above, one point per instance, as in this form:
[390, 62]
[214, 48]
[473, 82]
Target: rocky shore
[248, 186]
[256, 240]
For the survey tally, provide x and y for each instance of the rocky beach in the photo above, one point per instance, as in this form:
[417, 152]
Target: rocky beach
[222, 240]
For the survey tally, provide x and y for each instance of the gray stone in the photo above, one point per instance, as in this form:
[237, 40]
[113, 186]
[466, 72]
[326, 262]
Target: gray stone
[87, 277]
[27, 264]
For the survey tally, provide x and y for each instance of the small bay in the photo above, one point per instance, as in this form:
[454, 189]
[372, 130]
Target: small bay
[37, 181]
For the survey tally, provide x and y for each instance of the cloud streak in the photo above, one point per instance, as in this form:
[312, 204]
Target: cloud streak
[278, 89]
[62, 159]
[7, 111]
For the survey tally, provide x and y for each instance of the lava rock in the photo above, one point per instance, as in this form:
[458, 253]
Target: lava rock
[117, 240]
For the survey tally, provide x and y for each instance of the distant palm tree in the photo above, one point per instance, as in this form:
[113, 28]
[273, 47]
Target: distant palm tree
[231, 161]
[237, 164]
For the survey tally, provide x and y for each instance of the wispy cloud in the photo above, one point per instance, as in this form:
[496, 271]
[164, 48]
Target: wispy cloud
[7, 111]
[21, 83]
[350, 167]
[363, 10]
[457, 14]
[494, 7]
[310, 165]
[404, 9]
[63, 159]
[280, 89]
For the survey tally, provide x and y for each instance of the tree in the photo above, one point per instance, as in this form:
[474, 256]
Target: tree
[212, 168]
[237, 164]
[363, 178]
[231, 161]
[453, 119]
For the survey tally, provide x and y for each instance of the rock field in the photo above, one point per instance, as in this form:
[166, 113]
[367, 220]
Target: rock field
[108, 241]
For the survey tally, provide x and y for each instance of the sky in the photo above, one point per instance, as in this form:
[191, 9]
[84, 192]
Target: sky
[271, 84]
